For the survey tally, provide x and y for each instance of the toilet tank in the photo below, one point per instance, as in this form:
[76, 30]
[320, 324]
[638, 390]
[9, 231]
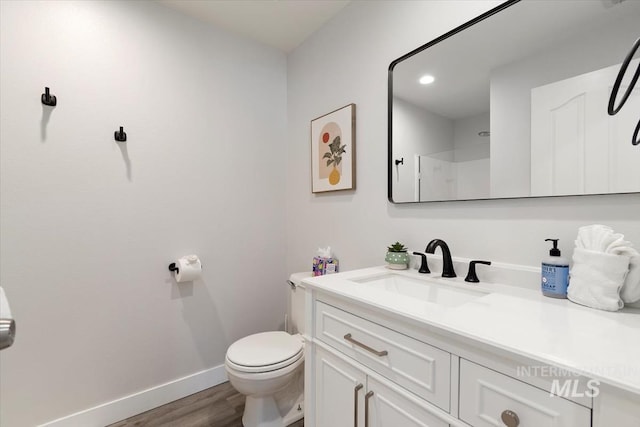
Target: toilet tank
[296, 303]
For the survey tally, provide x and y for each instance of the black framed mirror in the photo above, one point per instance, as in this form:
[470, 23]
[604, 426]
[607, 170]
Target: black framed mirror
[513, 104]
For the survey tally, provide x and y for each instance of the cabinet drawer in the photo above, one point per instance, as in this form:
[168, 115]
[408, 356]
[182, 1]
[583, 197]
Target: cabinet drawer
[486, 394]
[416, 366]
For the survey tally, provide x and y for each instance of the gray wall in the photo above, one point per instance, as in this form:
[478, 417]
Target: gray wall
[362, 41]
[88, 227]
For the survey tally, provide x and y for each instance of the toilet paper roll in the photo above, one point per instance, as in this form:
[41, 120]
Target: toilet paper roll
[189, 268]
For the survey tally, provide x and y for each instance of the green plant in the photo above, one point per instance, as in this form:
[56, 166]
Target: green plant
[336, 151]
[397, 247]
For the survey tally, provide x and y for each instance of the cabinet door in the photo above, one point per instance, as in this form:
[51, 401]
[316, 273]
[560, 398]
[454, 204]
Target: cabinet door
[389, 407]
[340, 390]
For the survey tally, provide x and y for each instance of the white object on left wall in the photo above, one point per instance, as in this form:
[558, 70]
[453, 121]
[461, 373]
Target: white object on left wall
[187, 269]
[7, 323]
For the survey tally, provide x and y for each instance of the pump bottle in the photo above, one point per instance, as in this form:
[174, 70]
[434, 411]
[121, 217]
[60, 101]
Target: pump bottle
[555, 273]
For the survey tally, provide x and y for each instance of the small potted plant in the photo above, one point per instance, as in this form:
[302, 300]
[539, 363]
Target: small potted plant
[397, 257]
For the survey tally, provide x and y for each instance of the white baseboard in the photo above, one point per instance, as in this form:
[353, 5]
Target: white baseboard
[128, 406]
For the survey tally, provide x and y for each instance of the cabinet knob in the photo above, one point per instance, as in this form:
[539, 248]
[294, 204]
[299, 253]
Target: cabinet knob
[510, 418]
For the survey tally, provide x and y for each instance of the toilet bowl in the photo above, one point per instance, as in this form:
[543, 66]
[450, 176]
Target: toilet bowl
[268, 368]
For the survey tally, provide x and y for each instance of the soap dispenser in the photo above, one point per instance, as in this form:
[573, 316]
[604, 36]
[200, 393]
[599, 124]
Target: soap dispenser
[555, 273]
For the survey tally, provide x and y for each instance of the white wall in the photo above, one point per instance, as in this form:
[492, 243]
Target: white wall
[510, 93]
[472, 153]
[361, 42]
[468, 144]
[86, 244]
[417, 131]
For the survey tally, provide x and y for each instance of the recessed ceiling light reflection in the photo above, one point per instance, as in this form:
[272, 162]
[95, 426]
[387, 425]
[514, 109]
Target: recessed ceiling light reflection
[426, 79]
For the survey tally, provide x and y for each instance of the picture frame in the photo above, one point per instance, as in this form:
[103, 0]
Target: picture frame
[333, 145]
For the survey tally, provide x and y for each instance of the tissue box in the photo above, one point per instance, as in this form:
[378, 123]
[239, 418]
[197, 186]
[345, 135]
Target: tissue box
[322, 266]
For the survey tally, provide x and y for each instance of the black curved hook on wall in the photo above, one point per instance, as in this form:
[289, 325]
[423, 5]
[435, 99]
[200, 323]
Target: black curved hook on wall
[120, 136]
[48, 99]
[612, 109]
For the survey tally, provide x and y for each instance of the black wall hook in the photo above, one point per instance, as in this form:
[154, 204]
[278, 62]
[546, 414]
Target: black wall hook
[48, 99]
[120, 136]
[400, 162]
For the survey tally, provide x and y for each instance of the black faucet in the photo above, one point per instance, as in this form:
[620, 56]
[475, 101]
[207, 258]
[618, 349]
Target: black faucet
[472, 277]
[447, 263]
[424, 267]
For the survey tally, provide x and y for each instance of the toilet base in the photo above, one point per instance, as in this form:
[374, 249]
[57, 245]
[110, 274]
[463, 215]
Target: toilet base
[264, 412]
[261, 412]
[279, 410]
[295, 413]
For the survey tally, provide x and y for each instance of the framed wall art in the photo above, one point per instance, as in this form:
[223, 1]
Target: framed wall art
[333, 146]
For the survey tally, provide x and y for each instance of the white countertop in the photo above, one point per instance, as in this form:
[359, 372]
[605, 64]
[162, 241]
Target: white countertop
[598, 344]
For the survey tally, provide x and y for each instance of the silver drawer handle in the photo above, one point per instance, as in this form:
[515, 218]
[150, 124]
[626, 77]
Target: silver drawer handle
[355, 404]
[366, 408]
[366, 347]
[510, 418]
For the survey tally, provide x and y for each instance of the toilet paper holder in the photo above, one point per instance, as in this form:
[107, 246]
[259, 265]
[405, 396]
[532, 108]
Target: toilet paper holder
[172, 267]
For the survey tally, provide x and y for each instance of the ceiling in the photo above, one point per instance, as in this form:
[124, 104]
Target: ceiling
[283, 24]
[464, 63]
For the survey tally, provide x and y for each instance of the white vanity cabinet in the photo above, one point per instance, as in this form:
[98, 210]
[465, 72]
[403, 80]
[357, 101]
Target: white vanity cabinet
[346, 396]
[409, 350]
[363, 372]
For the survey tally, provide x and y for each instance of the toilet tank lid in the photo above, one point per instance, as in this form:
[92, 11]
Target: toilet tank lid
[265, 348]
[297, 278]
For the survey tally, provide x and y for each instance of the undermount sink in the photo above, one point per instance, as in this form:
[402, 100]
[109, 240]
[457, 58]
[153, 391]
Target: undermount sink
[447, 295]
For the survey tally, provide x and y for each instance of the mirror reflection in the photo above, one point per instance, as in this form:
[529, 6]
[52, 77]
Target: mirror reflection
[515, 105]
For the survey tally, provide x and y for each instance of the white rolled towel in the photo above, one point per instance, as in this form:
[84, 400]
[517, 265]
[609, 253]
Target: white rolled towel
[596, 279]
[630, 292]
[7, 324]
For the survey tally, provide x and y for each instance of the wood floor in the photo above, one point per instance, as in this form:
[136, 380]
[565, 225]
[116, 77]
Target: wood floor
[219, 406]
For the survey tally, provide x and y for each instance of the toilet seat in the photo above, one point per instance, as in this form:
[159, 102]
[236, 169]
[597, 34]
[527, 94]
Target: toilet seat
[264, 352]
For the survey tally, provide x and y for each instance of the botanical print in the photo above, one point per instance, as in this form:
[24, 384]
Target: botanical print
[332, 150]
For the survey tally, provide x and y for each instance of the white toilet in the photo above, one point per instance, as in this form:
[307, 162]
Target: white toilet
[268, 368]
